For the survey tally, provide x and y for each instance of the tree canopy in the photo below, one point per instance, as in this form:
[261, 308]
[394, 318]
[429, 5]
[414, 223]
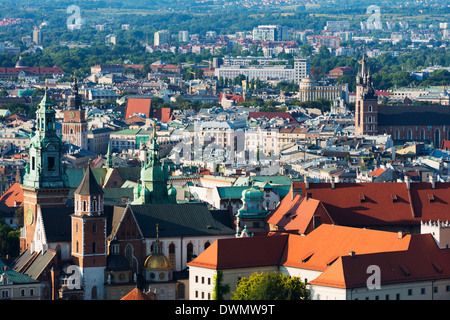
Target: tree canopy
[271, 286]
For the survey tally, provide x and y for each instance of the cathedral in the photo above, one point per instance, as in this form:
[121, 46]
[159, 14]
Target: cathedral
[405, 122]
[78, 247]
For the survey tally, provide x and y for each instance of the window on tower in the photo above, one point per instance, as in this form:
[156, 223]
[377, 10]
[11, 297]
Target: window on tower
[51, 163]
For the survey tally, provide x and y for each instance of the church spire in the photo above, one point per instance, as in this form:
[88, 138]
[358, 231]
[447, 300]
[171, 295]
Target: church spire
[109, 157]
[45, 169]
[74, 99]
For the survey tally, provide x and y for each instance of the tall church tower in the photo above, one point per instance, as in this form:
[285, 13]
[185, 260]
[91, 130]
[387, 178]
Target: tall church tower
[366, 106]
[89, 248]
[45, 182]
[154, 177]
[74, 127]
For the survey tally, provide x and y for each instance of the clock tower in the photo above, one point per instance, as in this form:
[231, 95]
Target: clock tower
[366, 105]
[74, 127]
[45, 183]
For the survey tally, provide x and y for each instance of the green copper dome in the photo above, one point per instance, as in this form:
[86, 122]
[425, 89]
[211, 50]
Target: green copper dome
[254, 193]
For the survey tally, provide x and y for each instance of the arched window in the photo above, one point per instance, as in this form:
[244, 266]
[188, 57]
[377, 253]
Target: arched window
[397, 134]
[94, 293]
[172, 254]
[410, 134]
[84, 205]
[189, 251]
[437, 138]
[369, 108]
[129, 254]
[422, 134]
[94, 205]
[206, 245]
[181, 288]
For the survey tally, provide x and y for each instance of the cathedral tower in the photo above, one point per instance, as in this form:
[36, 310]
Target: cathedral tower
[74, 127]
[366, 106]
[45, 182]
[153, 177]
[89, 248]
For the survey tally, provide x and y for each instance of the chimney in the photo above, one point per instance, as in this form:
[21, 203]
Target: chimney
[400, 235]
[408, 183]
[433, 183]
[296, 191]
[306, 182]
[332, 183]
[352, 253]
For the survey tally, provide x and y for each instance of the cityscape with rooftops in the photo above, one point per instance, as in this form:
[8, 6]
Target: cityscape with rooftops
[218, 150]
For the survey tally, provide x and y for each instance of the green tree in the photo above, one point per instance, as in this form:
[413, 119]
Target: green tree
[220, 289]
[271, 286]
[9, 240]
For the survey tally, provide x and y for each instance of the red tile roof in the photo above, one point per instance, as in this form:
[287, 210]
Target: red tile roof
[164, 114]
[13, 197]
[377, 172]
[395, 266]
[327, 250]
[136, 294]
[401, 258]
[270, 115]
[257, 251]
[445, 144]
[137, 105]
[372, 204]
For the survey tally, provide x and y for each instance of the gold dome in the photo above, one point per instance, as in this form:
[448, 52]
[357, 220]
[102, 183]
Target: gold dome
[157, 261]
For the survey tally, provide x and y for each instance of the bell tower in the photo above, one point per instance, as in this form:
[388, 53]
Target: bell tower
[45, 182]
[366, 106]
[74, 127]
[154, 176]
[89, 248]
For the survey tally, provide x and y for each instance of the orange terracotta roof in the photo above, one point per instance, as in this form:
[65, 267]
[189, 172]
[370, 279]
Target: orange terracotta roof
[164, 114]
[401, 258]
[377, 172]
[371, 204]
[255, 251]
[287, 208]
[13, 197]
[136, 105]
[328, 242]
[395, 266]
[303, 220]
[136, 294]
[315, 251]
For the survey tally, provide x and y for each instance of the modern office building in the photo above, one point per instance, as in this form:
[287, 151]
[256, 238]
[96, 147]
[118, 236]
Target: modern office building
[301, 68]
[269, 33]
[161, 37]
[183, 36]
[263, 73]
